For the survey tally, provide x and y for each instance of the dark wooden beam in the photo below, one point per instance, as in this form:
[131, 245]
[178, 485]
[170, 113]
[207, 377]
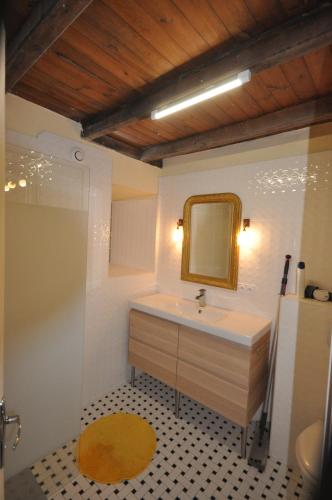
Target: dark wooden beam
[291, 39]
[291, 118]
[126, 149]
[46, 22]
[120, 146]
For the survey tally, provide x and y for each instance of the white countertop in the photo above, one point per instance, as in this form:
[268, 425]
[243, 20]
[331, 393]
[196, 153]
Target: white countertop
[236, 326]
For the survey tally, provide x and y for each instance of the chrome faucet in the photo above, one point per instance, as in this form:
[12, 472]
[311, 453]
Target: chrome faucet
[201, 297]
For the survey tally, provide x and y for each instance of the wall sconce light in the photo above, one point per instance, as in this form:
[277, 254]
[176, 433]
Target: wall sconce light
[178, 232]
[246, 223]
[247, 237]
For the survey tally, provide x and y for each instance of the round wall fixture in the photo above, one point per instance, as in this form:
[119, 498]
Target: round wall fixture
[78, 155]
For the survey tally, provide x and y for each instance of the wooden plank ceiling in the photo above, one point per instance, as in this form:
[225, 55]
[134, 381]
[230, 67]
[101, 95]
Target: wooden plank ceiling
[116, 51]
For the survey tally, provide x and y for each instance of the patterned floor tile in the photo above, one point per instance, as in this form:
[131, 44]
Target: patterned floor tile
[197, 456]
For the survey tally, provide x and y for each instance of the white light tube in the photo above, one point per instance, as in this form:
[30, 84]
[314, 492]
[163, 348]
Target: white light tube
[239, 80]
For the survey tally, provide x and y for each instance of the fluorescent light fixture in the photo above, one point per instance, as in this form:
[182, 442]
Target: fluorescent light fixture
[225, 86]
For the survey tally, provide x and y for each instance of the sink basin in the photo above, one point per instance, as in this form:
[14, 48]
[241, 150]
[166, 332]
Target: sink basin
[190, 309]
[236, 326]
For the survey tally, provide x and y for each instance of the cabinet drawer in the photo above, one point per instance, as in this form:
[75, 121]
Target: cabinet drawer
[222, 358]
[152, 361]
[225, 398]
[155, 332]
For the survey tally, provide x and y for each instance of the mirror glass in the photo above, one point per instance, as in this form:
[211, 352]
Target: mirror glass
[210, 236]
[210, 250]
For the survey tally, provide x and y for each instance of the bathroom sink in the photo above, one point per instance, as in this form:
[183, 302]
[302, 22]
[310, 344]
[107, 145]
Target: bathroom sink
[232, 325]
[190, 309]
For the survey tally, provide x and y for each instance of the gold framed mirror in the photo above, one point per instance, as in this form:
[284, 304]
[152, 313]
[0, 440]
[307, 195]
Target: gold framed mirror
[210, 252]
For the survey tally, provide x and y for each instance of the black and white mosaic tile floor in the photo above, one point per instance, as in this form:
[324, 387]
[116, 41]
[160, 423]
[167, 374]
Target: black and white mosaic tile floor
[197, 456]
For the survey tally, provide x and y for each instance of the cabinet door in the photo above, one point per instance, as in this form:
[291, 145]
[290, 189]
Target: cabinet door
[153, 345]
[214, 372]
[213, 392]
[222, 358]
[155, 332]
[156, 363]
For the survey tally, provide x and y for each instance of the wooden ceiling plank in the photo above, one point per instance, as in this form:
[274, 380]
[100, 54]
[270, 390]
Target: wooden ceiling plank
[293, 117]
[78, 78]
[44, 81]
[277, 83]
[127, 137]
[300, 78]
[319, 64]
[140, 134]
[140, 21]
[77, 63]
[165, 133]
[172, 20]
[230, 107]
[246, 102]
[174, 129]
[217, 111]
[124, 72]
[46, 22]
[44, 99]
[183, 126]
[266, 13]
[203, 18]
[261, 94]
[235, 15]
[292, 39]
[104, 30]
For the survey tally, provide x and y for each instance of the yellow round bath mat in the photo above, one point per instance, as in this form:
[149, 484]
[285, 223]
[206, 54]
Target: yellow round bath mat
[115, 448]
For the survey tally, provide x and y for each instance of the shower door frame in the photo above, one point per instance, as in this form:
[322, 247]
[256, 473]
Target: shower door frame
[2, 206]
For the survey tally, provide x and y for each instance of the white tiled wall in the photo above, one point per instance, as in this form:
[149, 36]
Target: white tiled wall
[272, 195]
[105, 353]
[133, 239]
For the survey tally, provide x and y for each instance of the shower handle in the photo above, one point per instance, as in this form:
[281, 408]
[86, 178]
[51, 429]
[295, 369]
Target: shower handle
[4, 421]
[15, 419]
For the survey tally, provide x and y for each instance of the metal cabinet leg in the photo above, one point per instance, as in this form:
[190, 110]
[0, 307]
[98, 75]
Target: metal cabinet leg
[177, 396]
[244, 432]
[132, 377]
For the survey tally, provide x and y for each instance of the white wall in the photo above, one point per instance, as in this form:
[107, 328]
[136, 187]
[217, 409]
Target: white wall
[106, 331]
[133, 238]
[28, 118]
[275, 211]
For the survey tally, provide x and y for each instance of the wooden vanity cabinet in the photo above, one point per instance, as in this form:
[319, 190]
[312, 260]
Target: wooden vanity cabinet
[153, 345]
[227, 377]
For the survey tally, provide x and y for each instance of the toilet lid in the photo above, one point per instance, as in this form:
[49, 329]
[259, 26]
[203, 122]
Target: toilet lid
[309, 448]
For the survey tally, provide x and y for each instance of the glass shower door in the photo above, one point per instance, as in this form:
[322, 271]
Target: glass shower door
[46, 247]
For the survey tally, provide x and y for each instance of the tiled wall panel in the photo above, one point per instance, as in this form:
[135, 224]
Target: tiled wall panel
[272, 195]
[133, 240]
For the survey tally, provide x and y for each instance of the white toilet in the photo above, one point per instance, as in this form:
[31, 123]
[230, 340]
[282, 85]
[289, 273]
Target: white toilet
[308, 449]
